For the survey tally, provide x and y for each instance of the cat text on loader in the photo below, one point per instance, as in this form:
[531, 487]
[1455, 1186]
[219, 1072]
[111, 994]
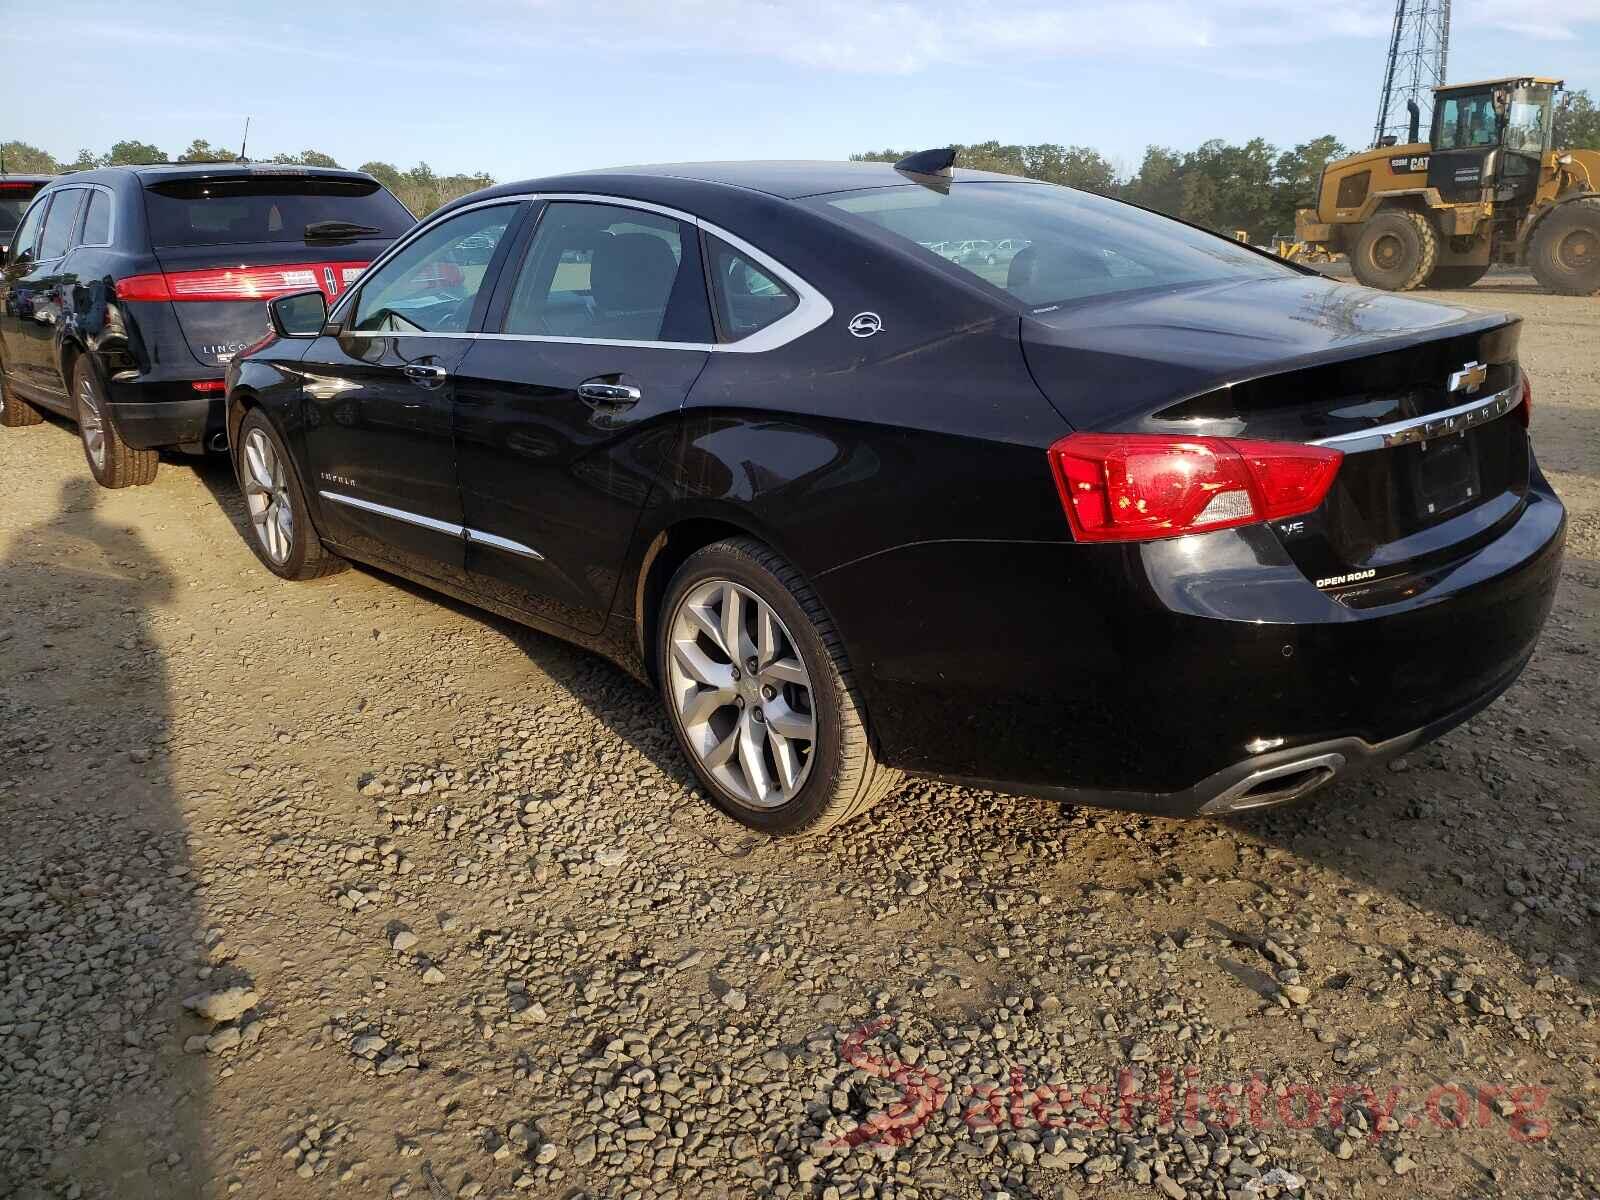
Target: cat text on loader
[1487, 187]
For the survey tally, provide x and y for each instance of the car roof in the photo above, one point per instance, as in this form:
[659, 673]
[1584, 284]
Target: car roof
[787, 179]
[156, 172]
[1507, 79]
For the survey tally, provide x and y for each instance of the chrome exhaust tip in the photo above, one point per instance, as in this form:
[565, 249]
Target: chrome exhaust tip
[217, 442]
[1276, 785]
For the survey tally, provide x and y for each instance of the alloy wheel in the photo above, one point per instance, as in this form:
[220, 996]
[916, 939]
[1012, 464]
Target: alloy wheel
[266, 494]
[742, 693]
[92, 425]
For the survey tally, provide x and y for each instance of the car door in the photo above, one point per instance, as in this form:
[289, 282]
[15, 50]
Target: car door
[35, 303]
[599, 328]
[378, 390]
[17, 284]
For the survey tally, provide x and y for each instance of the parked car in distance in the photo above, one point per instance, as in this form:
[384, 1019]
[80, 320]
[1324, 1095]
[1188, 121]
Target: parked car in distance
[127, 290]
[16, 191]
[1155, 521]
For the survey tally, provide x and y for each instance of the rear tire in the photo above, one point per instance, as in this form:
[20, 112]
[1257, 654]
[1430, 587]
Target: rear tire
[112, 462]
[15, 412]
[820, 771]
[281, 533]
[1565, 253]
[1397, 251]
[1456, 278]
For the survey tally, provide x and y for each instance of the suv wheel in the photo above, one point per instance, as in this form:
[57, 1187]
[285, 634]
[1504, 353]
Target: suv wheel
[762, 699]
[112, 462]
[280, 521]
[15, 412]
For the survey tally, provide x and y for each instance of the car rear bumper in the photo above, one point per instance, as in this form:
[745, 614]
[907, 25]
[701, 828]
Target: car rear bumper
[153, 415]
[1165, 675]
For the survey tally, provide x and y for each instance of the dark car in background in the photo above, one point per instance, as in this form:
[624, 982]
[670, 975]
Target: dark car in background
[1140, 516]
[126, 291]
[16, 191]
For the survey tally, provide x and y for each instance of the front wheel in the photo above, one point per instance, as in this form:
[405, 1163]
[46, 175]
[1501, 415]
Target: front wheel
[1565, 253]
[763, 702]
[280, 525]
[1396, 251]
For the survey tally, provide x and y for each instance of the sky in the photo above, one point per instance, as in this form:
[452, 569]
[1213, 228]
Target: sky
[522, 88]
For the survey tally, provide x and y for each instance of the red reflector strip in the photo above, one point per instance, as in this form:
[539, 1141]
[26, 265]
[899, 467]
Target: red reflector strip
[241, 283]
[1124, 487]
[209, 385]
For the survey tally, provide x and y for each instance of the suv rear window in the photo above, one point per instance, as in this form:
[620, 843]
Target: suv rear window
[215, 212]
[1047, 245]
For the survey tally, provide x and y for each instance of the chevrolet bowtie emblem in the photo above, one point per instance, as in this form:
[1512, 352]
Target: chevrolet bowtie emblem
[1470, 378]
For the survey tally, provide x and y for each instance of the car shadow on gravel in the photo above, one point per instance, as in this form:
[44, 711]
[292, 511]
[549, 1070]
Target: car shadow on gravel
[98, 921]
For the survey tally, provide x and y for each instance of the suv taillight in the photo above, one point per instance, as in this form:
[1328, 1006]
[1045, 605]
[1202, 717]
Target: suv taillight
[1131, 487]
[241, 283]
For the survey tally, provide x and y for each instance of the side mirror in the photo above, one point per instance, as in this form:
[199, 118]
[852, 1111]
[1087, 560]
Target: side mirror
[298, 315]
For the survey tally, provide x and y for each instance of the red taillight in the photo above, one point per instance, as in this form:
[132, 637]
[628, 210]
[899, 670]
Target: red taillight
[1123, 487]
[242, 283]
[209, 385]
[1525, 410]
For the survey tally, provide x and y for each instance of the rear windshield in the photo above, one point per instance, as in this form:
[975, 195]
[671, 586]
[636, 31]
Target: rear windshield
[214, 212]
[1045, 245]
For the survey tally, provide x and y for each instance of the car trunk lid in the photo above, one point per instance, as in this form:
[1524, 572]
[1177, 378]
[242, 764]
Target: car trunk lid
[1420, 397]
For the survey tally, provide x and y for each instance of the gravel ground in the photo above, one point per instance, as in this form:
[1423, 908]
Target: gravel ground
[341, 888]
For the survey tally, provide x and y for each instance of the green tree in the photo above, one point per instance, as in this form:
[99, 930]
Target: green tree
[133, 154]
[306, 158]
[201, 150]
[86, 161]
[23, 159]
[1159, 182]
[1577, 124]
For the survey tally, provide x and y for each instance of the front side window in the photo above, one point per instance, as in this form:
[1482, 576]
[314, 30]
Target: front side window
[1044, 245]
[97, 221]
[432, 285]
[57, 233]
[610, 273]
[748, 296]
[26, 242]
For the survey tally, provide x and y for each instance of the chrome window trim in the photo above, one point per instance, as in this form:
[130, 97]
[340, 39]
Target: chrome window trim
[1429, 426]
[476, 537]
[813, 310]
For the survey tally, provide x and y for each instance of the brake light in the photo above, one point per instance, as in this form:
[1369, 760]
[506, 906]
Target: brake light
[242, 283]
[1126, 487]
[1525, 409]
[209, 385]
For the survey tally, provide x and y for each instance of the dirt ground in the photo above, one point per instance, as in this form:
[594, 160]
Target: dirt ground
[492, 943]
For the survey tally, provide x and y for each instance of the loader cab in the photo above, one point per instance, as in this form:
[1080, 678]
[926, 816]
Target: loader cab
[1489, 139]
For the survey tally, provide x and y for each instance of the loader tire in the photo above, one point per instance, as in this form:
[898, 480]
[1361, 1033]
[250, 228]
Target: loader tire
[1397, 251]
[1565, 253]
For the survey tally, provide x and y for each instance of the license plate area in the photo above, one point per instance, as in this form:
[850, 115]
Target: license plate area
[1445, 477]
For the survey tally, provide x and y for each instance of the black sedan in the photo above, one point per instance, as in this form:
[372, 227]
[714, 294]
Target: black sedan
[1132, 514]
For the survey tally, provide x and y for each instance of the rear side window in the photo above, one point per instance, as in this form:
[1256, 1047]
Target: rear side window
[1044, 245]
[267, 208]
[97, 221]
[432, 285]
[611, 273]
[748, 297]
[57, 233]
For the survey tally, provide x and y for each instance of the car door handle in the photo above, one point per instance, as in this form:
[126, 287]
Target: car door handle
[613, 394]
[425, 372]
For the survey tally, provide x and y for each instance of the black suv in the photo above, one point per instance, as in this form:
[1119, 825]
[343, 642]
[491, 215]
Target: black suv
[15, 193]
[126, 291]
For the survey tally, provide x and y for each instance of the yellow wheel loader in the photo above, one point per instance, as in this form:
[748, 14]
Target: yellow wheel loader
[1486, 187]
